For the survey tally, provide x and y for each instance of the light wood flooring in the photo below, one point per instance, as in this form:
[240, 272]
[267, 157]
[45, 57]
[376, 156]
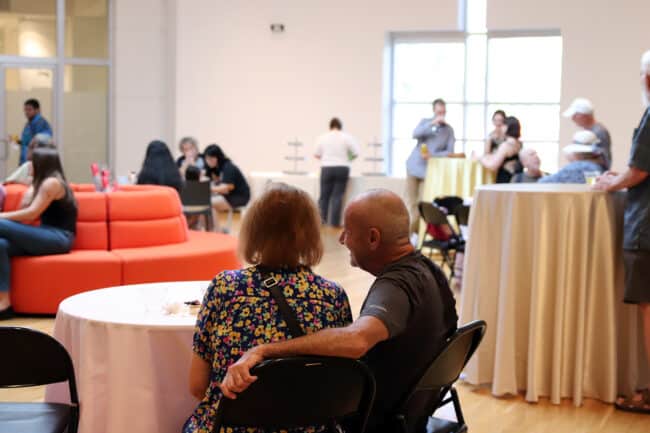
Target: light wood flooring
[483, 412]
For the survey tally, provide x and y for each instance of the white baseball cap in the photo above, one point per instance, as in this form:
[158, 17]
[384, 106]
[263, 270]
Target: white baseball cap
[583, 142]
[579, 106]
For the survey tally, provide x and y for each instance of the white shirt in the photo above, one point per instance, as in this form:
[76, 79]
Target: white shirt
[335, 148]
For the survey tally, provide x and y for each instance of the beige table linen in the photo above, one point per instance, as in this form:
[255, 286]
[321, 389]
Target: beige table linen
[543, 267]
[131, 359]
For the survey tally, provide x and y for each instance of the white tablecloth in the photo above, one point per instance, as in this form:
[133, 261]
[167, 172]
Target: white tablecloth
[543, 267]
[131, 359]
[311, 183]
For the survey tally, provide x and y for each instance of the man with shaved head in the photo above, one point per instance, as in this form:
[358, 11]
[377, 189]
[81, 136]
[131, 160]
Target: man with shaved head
[405, 319]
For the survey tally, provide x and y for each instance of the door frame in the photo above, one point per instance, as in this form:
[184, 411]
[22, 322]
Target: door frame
[55, 119]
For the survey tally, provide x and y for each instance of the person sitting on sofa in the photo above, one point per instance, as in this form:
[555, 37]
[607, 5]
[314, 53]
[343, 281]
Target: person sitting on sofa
[159, 167]
[23, 174]
[49, 199]
[238, 313]
[584, 157]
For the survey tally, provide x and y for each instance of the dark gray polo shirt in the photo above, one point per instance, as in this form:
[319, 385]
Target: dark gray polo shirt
[636, 232]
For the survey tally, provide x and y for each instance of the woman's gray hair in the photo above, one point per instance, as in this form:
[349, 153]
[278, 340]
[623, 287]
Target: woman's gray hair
[193, 141]
[42, 140]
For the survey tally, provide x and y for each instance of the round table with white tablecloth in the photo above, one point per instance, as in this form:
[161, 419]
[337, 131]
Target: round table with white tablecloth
[131, 357]
[543, 266]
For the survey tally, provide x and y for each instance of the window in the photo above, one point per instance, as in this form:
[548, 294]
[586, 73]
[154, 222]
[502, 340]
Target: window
[477, 74]
[28, 28]
[58, 52]
[422, 72]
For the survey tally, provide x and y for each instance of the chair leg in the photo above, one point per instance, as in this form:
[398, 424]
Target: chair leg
[229, 222]
[209, 222]
[457, 409]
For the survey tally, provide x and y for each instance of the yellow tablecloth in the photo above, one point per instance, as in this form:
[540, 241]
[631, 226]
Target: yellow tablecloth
[454, 176]
[544, 269]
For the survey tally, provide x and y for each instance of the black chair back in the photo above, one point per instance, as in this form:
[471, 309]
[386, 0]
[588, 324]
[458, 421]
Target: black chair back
[338, 389]
[196, 193]
[432, 214]
[425, 397]
[33, 358]
[461, 212]
[449, 202]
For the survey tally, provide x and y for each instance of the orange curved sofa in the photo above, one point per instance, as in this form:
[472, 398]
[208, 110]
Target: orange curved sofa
[135, 235]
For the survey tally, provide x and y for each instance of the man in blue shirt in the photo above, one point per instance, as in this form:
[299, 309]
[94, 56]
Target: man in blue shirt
[36, 124]
[435, 138]
[636, 231]
[584, 156]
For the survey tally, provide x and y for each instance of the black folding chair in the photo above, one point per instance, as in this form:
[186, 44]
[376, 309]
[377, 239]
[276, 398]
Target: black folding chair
[436, 383]
[195, 197]
[32, 358]
[449, 202]
[461, 213]
[448, 248]
[339, 390]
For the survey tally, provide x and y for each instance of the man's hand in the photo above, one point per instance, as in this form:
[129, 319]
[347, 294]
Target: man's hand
[425, 154]
[604, 181]
[437, 121]
[238, 377]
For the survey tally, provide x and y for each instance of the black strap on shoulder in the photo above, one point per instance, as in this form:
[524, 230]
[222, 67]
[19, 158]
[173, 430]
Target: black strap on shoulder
[271, 284]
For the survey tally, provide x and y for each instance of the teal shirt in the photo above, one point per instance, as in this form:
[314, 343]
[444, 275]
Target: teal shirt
[37, 125]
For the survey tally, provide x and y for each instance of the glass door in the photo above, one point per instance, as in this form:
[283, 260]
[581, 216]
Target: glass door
[17, 85]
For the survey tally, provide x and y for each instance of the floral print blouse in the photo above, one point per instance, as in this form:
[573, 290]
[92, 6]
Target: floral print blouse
[238, 313]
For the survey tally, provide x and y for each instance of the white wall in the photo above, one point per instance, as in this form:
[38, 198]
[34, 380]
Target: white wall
[252, 91]
[213, 69]
[602, 45]
[143, 79]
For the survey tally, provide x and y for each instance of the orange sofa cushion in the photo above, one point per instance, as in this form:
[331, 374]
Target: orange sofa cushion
[39, 284]
[145, 216]
[92, 228]
[200, 258]
[14, 195]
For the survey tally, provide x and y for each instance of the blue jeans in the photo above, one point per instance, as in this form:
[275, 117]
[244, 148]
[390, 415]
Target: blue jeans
[18, 239]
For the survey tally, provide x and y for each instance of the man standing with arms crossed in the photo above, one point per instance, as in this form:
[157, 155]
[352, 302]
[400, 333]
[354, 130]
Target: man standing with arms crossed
[636, 235]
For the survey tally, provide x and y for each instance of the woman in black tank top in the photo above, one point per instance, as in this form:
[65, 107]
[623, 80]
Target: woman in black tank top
[50, 200]
[505, 160]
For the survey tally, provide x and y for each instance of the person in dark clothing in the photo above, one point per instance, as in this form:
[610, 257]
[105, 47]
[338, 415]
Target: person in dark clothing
[407, 316]
[231, 189]
[505, 160]
[48, 199]
[159, 167]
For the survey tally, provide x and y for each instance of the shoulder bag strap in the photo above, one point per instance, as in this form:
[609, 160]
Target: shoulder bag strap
[271, 284]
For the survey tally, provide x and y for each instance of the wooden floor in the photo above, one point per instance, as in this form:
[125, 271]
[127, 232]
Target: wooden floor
[483, 412]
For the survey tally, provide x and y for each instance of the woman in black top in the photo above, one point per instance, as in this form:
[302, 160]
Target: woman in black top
[498, 135]
[231, 189]
[505, 160]
[159, 167]
[50, 199]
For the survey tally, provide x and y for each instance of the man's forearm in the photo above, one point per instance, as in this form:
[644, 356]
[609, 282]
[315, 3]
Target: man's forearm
[341, 342]
[629, 178]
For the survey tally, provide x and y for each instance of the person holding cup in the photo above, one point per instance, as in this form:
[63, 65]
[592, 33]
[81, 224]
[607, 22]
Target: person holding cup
[435, 138]
[584, 157]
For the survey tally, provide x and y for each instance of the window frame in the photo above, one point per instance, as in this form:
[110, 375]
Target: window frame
[462, 137]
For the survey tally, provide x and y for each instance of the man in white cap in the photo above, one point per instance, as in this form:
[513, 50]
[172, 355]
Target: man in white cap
[636, 229]
[581, 111]
[584, 156]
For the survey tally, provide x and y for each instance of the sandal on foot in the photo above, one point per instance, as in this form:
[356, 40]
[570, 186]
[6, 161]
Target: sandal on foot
[639, 403]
